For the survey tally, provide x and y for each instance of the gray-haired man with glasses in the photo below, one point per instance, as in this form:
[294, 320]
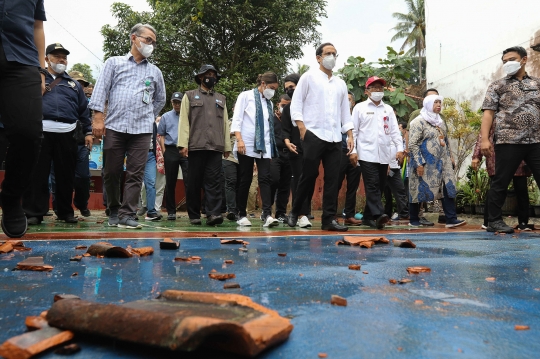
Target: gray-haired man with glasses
[135, 92]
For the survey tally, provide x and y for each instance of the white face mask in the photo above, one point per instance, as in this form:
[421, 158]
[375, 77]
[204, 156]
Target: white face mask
[511, 67]
[329, 62]
[377, 96]
[58, 68]
[145, 49]
[268, 93]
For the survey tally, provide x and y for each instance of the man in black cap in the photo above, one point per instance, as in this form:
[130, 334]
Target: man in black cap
[22, 58]
[168, 130]
[64, 104]
[203, 137]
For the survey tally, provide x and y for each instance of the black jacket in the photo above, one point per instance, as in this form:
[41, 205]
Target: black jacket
[289, 131]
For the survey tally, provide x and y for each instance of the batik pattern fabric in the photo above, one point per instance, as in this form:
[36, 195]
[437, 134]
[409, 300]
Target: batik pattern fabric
[160, 160]
[425, 149]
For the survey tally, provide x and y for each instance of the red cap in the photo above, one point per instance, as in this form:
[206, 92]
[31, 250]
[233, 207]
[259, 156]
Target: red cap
[373, 79]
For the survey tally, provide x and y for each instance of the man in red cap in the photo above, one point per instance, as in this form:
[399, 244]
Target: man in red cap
[376, 131]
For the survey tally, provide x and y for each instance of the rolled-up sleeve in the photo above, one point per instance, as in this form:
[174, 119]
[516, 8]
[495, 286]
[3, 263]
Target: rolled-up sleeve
[238, 115]
[159, 95]
[183, 125]
[102, 88]
[297, 103]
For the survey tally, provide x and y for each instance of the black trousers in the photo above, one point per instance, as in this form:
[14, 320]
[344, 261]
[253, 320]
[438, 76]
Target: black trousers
[522, 195]
[62, 149]
[21, 114]
[374, 181]
[281, 183]
[315, 151]
[230, 172]
[296, 167]
[507, 160]
[172, 160]
[353, 175]
[81, 185]
[204, 172]
[394, 186]
[245, 175]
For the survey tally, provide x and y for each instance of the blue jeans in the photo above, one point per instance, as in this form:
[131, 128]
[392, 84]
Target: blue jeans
[150, 183]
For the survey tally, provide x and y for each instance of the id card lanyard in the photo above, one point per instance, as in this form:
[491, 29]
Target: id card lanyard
[146, 93]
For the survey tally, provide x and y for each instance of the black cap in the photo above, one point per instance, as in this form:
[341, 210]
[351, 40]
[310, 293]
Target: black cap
[177, 96]
[56, 47]
[204, 69]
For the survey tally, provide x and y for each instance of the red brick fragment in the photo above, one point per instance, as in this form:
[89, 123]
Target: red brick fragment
[231, 286]
[521, 327]
[339, 301]
[282, 254]
[221, 276]
[418, 269]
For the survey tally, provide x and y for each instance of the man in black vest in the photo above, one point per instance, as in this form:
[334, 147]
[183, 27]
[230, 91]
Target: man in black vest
[203, 137]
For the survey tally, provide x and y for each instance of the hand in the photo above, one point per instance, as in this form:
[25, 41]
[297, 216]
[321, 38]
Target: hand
[420, 171]
[399, 156]
[42, 84]
[183, 152]
[475, 164]
[292, 147]
[353, 159]
[98, 125]
[486, 148]
[227, 154]
[241, 146]
[303, 131]
[350, 145]
[88, 140]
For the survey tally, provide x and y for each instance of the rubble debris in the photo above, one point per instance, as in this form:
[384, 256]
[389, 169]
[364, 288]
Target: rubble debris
[322, 355]
[214, 234]
[339, 301]
[243, 249]
[68, 349]
[231, 286]
[168, 243]
[229, 261]
[392, 281]
[75, 274]
[13, 245]
[221, 276]
[76, 258]
[490, 279]
[100, 221]
[58, 297]
[195, 258]
[32, 343]
[227, 322]
[282, 254]
[34, 264]
[354, 266]
[81, 246]
[405, 280]
[143, 251]
[365, 242]
[233, 241]
[418, 269]
[403, 244]
[35, 323]
[87, 255]
[521, 327]
[108, 250]
[182, 259]
[6, 248]
[365, 272]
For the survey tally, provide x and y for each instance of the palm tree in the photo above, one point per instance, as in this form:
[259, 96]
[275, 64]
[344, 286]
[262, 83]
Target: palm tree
[412, 28]
[302, 69]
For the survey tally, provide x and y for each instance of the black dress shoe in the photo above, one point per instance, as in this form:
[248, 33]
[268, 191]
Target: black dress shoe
[369, 223]
[85, 212]
[292, 219]
[381, 221]
[213, 220]
[68, 219]
[425, 222]
[335, 227]
[195, 221]
[441, 219]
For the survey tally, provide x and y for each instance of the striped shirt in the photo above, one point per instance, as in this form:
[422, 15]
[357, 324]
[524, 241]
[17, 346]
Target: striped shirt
[123, 83]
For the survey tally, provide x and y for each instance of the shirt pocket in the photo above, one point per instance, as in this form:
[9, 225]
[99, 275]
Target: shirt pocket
[219, 109]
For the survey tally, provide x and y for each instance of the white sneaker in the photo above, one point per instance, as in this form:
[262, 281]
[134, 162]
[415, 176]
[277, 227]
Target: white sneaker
[483, 226]
[270, 222]
[243, 222]
[395, 217]
[304, 222]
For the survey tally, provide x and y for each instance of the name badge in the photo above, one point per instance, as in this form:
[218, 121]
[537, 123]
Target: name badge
[370, 113]
[146, 97]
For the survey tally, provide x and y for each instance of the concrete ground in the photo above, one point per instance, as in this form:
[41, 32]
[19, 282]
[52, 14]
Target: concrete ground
[453, 311]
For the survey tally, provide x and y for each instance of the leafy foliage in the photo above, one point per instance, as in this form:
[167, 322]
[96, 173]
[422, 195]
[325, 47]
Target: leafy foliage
[463, 126]
[412, 28]
[396, 69]
[86, 71]
[240, 38]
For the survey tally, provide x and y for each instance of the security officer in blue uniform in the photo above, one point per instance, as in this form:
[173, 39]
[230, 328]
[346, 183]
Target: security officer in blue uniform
[66, 119]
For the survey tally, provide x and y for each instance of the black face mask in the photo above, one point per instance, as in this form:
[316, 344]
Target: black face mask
[290, 92]
[209, 82]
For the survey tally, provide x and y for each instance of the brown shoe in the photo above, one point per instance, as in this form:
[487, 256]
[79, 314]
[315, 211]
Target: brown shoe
[353, 221]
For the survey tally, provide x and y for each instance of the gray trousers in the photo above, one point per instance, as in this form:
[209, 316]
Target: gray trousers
[135, 148]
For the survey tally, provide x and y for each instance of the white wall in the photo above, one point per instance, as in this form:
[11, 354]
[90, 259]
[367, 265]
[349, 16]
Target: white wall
[465, 40]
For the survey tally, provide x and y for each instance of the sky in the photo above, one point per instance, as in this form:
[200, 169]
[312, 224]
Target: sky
[355, 27]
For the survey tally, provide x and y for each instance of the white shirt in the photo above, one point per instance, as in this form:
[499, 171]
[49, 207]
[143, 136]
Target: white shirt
[244, 122]
[322, 104]
[375, 132]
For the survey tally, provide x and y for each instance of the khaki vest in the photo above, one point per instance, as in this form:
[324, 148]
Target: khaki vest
[206, 127]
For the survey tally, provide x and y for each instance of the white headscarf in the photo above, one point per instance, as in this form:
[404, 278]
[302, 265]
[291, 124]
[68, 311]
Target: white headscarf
[427, 111]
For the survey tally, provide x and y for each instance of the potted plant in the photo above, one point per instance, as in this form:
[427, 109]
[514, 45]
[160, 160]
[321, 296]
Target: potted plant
[480, 183]
[534, 198]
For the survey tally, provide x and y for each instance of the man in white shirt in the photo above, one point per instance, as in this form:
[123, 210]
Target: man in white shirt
[375, 131]
[320, 109]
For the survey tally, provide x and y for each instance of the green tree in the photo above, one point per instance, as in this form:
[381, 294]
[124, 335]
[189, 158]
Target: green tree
[86, 71]
[301, 68]
[396, 69]
[412, 28]
[240, 38]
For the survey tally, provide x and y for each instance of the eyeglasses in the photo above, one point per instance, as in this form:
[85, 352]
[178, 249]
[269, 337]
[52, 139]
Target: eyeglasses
[148, 40]
[330, 53]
